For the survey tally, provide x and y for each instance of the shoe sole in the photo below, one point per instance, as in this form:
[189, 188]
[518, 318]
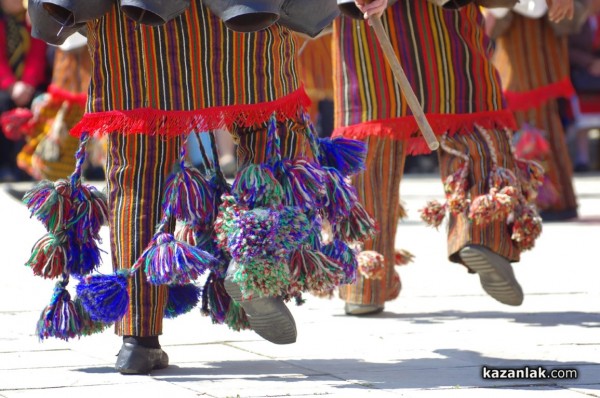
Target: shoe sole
[361, 309]
[495, 273]
[269, 317]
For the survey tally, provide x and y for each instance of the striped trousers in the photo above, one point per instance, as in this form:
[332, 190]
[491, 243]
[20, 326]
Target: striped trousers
[379, 191]
[137, 168]
[557, 163]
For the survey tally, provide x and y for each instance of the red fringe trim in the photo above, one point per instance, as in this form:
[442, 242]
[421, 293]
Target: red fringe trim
[405, 128]
[173, 123]
[522, 101]
[64, 95]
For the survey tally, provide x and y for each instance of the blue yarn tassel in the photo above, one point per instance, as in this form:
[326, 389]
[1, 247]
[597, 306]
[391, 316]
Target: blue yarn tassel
[182, 299]
[60, 318]
[104, 297]
[91, 213]
[344, 256]
[347, 156]
[83, 258]
[168, 261]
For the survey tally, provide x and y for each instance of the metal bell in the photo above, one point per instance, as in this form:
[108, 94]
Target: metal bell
[246, 15]
[308, 16]
[45, 27]
[72, 12]
[154, 12]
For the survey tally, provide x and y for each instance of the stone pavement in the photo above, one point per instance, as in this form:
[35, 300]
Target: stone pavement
[431, 342]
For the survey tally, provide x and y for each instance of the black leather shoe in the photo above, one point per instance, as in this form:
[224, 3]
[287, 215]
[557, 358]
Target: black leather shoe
[136, 359]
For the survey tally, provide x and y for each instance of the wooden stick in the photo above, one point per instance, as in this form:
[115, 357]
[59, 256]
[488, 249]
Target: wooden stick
[400, 76]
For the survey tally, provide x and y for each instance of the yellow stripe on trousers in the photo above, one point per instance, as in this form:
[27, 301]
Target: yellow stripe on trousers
[137, 168]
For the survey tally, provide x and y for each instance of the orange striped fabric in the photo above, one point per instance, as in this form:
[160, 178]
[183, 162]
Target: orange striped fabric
[496, 235]
[315, 69]
[252, 142]
[378, 189]
[191, 73]
[557, 163]
[533, 63]
[137, 168]
[445, 56]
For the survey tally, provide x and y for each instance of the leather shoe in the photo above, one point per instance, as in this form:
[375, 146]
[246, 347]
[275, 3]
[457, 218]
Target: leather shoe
[137, 359]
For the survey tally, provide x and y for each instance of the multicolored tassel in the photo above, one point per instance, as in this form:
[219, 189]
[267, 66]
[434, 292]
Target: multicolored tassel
[311, 270]
[182, 299]
[345, 257]
[169, 261]
[188, 196]
[104, 297]
[60, 318]
[303, 183]
[49, 256]
[340, 197]
[256, 186]
[371, 264]
[526, 227]
[266, 277]
[358, 226]
[345, 155]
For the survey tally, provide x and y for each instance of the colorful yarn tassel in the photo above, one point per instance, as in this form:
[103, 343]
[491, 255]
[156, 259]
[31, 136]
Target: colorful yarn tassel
[104, 297]
[313, 271]
[344, 256]
[495, 205]
[88, 325]
[84, 258]
[526, 227]
[347, 156]
[187, 233]
[403, 257]
[182, 299]
[358, 226]
[236, 318]
[168, 261]
[189, 197]
[60, 318]
[340, 196]
[256, 186]
[267, 277]
[371, 264]
[48, 257]
[433, 213]
[90, 213]
[293, 227]
[303, 183]
[215, 300]
[50, 203]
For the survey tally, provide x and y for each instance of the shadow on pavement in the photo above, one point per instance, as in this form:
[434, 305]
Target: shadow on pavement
[575, 318]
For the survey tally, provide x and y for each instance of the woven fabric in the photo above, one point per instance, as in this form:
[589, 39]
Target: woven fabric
[191, 73]
[445, 55]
